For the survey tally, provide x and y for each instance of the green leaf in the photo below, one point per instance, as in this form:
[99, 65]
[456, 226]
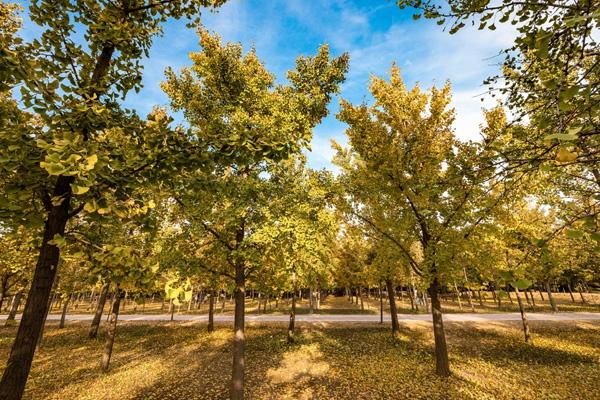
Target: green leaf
[574, 234]
[506, 275]
[58, 241]
[521, 284]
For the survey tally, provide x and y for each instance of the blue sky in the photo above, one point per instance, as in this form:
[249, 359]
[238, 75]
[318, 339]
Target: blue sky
[374, 32]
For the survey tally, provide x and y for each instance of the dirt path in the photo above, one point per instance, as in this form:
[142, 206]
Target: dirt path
[333, 318]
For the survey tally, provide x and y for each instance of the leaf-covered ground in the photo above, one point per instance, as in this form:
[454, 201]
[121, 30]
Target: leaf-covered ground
[362, 361]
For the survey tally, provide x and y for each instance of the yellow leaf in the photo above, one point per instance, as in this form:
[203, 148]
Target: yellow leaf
[564, 155]
[79, 189]
[91, 162]
[90, 206]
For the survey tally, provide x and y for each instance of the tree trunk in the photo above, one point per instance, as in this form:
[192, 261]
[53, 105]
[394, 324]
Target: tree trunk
[292, 325]
[41, 337]
[380, 304]
[92, 297]
[523, 317]
[527, 297]
[470, 300]
[112, 330]
[458, 297]
[571, 292]
[64, 313]
[310, 300]
[480, 298]
[362, 304]
[393, 309]
[171, 309]
[541, 294]
[112, 301]
[239, 340]
[211, 312]
[319, 299]
[532, 298]
[509, 296]
[190, 302]
[14, 307]
[581, 294]
[17, 369]
[550, 297]
[99, 311]
[441, 350]
[3, 291]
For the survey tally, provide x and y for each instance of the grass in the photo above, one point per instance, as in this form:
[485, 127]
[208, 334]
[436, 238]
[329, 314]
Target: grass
[180, 360]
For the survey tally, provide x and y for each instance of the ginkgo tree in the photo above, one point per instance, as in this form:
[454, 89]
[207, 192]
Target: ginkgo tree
[299, 230]
[73, 141]
[242, 122]
[431, 189]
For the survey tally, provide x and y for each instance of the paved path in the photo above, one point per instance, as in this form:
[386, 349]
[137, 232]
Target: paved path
[339, 318]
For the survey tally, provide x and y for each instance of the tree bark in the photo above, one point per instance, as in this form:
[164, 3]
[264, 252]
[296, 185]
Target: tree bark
[362, 304]
[458, 297]
[112, 301]
[380, 304]
[14, 307]
[99, 311]
[581, 295]
[63, 316]
[532, 298]
[393, 309]
[19, 362]
[292, 324]
[41, 338]
[190, 302]
[550, 297]
[470, 300]
[239, 340]
[112, 330]
[441, 349]
[410, 297]
[3, 290]
[571, 292]
[211, 312]
[523, 318]
[527, 297]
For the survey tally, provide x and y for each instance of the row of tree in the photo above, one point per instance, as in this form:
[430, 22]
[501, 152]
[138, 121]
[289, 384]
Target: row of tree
[90, 188]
